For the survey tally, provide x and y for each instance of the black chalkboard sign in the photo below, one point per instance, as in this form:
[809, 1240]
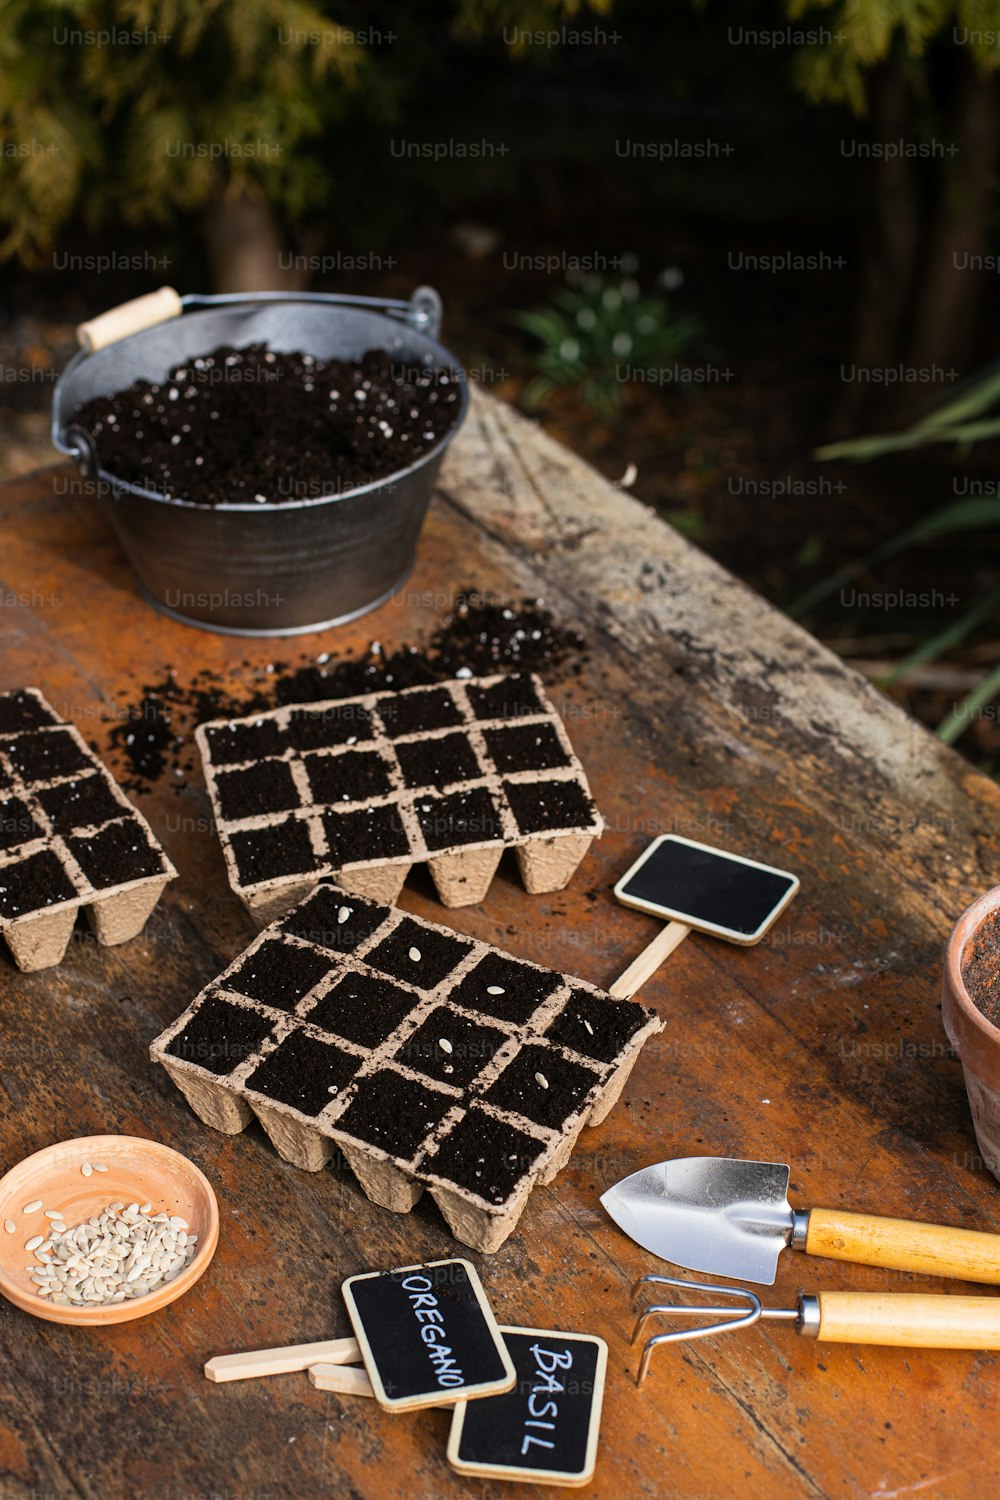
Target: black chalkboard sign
[546, 1428]
[709, 889]
[427, 1335]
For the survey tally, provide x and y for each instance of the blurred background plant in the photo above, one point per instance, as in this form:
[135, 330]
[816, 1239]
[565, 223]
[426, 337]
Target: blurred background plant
[480, 145]
[600, 337]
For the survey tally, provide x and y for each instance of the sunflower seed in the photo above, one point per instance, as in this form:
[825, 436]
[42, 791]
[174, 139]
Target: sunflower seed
[495, 989]
[541, 1079]
[415, 955]
[445, 1045]
[343, 914]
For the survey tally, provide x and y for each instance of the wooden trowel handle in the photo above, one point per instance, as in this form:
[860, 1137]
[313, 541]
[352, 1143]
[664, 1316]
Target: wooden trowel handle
[914, 1320]
[904, 1245]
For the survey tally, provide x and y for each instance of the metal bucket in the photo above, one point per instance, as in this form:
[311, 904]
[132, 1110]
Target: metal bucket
[264, 569]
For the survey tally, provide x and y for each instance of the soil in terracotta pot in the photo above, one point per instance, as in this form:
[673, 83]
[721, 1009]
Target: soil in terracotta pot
[981, 969]
[252, 425]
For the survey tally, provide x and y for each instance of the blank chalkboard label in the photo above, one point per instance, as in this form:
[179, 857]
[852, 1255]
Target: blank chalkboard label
[546, 1428]
[427, 1335]
[706, 888]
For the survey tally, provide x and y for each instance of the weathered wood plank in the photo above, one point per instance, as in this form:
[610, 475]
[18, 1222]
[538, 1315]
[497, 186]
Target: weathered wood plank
[699, 709]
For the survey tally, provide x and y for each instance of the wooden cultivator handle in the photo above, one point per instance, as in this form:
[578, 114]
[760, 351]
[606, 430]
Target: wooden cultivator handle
[129, 317]
[915, 1320]
[902, 1245]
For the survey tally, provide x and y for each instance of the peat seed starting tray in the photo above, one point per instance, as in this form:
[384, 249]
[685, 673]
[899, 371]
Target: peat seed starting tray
[362, 788]
[428, 1059]
[69, 838]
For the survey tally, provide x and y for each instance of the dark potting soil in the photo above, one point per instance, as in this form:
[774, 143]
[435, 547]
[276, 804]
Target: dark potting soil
[981, 969]
[87, 803]
[33, 883]
[279, 974]
[520, 1088]
[353, 776]
[220, 1036]
[256, 426]
[362, 1009]
[268, 853]
[304, 1073]
[481, 636]
[330, 728]
[417, 712]
[538, 806]
[394, 1113]
[439, 762]
[233, 744]
[487, 1156]
[46, 755]
[366, 833]
[118, 853]
[17, 826]
[523, 989]
[513, 698]
[451, 1048]
[595, 1027]
[319, 921]
[19, 710]
[417, 955]
[525, 747]
[266, 787]
[462, 818]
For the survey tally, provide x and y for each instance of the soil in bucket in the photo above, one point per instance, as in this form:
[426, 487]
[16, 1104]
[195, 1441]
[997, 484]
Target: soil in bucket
[252, 425]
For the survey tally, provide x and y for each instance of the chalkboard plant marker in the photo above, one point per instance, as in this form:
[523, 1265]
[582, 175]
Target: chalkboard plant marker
[694, 885]
[362, 788]
[427, 1335]
[69, 839]
[418, 1074]
[546, 1429]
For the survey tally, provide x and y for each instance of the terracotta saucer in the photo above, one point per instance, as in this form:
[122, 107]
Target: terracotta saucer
[139, 1171]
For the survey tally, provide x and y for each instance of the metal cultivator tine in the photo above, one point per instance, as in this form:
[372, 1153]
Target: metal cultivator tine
[724, 1318]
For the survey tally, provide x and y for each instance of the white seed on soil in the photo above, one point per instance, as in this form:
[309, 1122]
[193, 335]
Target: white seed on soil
[117, 1255]
[415, 955]
[10, 1226]
[32, 1208]
[541, 1080]
[589, 1027]
[445, 1045]
[87, 1169]
[343, 914]
[495, 989]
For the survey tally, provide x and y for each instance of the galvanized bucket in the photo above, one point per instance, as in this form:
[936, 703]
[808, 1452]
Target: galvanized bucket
[255, 569]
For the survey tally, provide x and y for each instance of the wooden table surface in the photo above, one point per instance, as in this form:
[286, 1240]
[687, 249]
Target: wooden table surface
[700, 711]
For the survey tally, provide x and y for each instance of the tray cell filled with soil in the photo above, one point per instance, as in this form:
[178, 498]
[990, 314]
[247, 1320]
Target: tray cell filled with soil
[389, 779]
[384, 1052]
[69, 839]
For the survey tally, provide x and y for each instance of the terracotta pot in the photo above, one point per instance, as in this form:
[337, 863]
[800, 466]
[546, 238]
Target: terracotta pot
[974, 1038]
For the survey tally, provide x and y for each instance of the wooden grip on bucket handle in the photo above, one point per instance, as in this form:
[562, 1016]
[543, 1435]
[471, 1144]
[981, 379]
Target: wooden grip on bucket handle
[904, 1245]
[129, 317]
[914, 1320]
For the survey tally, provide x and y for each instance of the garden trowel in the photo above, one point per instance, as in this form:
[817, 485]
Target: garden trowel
[732, 1218]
